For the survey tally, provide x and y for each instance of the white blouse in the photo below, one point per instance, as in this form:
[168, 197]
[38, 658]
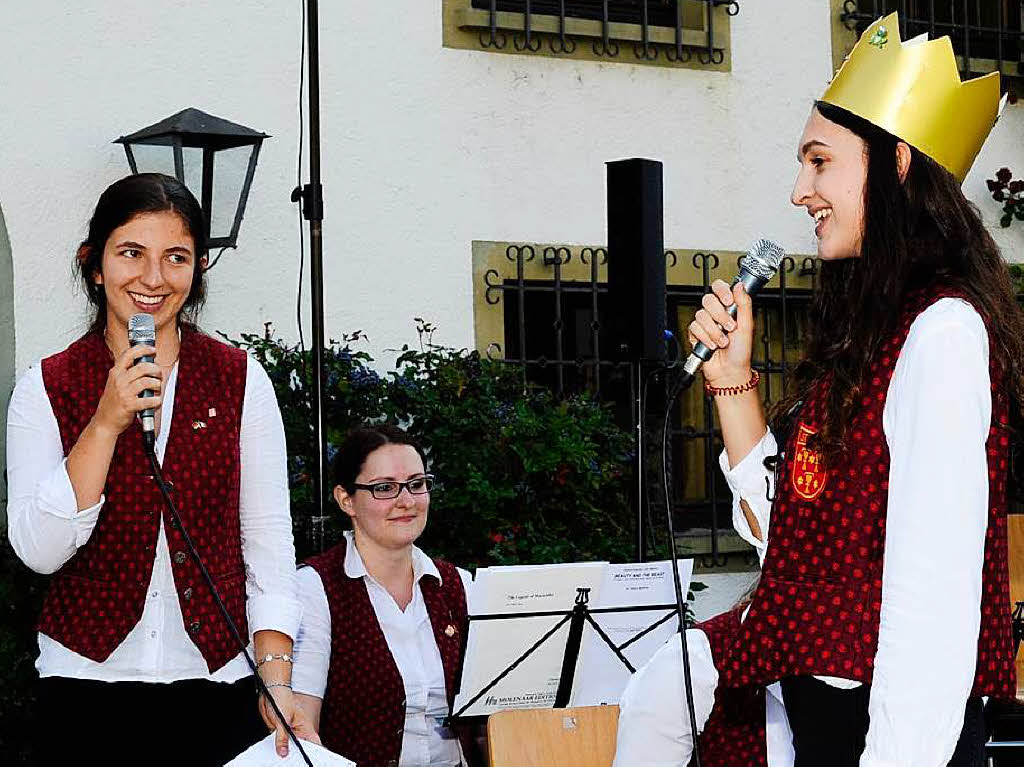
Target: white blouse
[46, 529]
[410, 638]
[936, 420]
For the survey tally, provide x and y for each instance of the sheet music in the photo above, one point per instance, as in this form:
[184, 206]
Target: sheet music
[601, 676]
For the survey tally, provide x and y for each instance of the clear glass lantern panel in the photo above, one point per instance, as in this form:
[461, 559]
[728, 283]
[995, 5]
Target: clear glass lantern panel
[154, 158]
[229, 170]
[192, 164]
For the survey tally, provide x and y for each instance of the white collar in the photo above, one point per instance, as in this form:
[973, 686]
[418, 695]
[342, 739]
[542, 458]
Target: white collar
[356, 568]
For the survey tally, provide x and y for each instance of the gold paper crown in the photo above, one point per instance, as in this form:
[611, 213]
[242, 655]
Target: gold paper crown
[913, 90]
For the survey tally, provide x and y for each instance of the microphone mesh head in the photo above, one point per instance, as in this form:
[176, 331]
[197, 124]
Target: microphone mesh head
[141, 329]
[763, 259]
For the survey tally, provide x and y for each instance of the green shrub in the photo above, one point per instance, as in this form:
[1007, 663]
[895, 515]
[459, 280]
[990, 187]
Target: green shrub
[525, 477]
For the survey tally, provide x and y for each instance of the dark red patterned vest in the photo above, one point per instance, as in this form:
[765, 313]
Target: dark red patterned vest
[97, 597]
[363, 714]
[816, 610]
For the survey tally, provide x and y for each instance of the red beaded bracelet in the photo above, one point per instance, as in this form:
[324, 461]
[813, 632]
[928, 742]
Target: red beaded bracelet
[715, 391]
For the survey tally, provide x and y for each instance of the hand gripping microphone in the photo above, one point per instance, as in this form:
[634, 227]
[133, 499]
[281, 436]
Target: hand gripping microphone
[142, 331]
[756, 269]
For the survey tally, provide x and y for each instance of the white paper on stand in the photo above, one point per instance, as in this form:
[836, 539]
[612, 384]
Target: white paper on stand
[601, 676]
[264, 754]
[494, 645]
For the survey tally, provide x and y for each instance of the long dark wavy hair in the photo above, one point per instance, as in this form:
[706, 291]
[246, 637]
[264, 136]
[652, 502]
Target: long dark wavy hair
[121, 202]
[917, 232]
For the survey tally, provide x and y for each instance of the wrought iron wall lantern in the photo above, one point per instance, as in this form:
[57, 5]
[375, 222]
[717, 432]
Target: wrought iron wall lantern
[214, 158]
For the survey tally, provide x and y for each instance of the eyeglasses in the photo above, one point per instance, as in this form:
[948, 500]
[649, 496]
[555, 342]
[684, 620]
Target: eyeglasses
[383, 491]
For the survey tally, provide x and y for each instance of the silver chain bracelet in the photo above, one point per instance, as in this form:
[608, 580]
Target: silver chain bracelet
[274, 656]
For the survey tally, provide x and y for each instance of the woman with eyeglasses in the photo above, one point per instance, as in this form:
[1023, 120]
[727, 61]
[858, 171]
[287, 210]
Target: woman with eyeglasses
[383, 626]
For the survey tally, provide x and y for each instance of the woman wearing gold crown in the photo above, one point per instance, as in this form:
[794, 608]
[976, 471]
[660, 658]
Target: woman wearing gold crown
[881, 619]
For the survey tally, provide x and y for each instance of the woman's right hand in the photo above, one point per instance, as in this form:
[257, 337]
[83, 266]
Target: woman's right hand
[730, 363]
[120, 400]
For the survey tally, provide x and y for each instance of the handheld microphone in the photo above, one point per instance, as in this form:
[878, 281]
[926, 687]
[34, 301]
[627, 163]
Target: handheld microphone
[142, 330]
[756, 269]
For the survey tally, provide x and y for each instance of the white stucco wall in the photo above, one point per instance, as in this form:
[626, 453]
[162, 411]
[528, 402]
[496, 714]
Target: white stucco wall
[425, 148]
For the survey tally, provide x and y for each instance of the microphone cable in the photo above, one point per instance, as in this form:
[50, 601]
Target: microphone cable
[176, 517]
[757, 267]
[654, 369]
[681, 383]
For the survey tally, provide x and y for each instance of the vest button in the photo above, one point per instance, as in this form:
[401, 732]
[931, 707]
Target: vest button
[187, 593]
[194, 626]
[179, 557]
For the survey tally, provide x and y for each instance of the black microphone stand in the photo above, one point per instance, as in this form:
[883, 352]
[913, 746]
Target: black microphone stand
[312, 198]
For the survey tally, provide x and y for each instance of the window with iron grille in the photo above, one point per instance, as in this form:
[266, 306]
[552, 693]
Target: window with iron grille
[692, 33]
[545, 308]
[987, 36]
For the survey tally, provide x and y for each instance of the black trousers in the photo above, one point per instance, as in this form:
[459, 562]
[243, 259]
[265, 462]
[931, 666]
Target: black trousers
[194, 723]
[830, 725]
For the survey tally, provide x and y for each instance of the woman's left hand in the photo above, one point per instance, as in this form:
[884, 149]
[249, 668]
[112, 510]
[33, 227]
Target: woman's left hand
[296, 716]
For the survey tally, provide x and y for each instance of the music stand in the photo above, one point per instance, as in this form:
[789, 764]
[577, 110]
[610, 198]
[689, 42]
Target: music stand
[577, 618]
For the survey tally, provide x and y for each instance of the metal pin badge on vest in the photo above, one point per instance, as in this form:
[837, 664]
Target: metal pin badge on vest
[449, 630]
[212, 413]
[197, 425]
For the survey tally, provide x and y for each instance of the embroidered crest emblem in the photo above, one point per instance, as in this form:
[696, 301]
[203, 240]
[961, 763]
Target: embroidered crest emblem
[809, 474]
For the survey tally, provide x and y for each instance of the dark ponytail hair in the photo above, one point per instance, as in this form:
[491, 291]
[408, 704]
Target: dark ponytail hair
[918, 231]
[119, 204]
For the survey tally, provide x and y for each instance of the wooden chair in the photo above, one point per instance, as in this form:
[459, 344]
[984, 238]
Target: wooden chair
[556, 737]
[1015, 531]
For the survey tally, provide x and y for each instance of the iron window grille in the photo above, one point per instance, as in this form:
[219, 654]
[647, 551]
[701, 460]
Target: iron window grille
[555, 302]
[673, 29]
[987, 36]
